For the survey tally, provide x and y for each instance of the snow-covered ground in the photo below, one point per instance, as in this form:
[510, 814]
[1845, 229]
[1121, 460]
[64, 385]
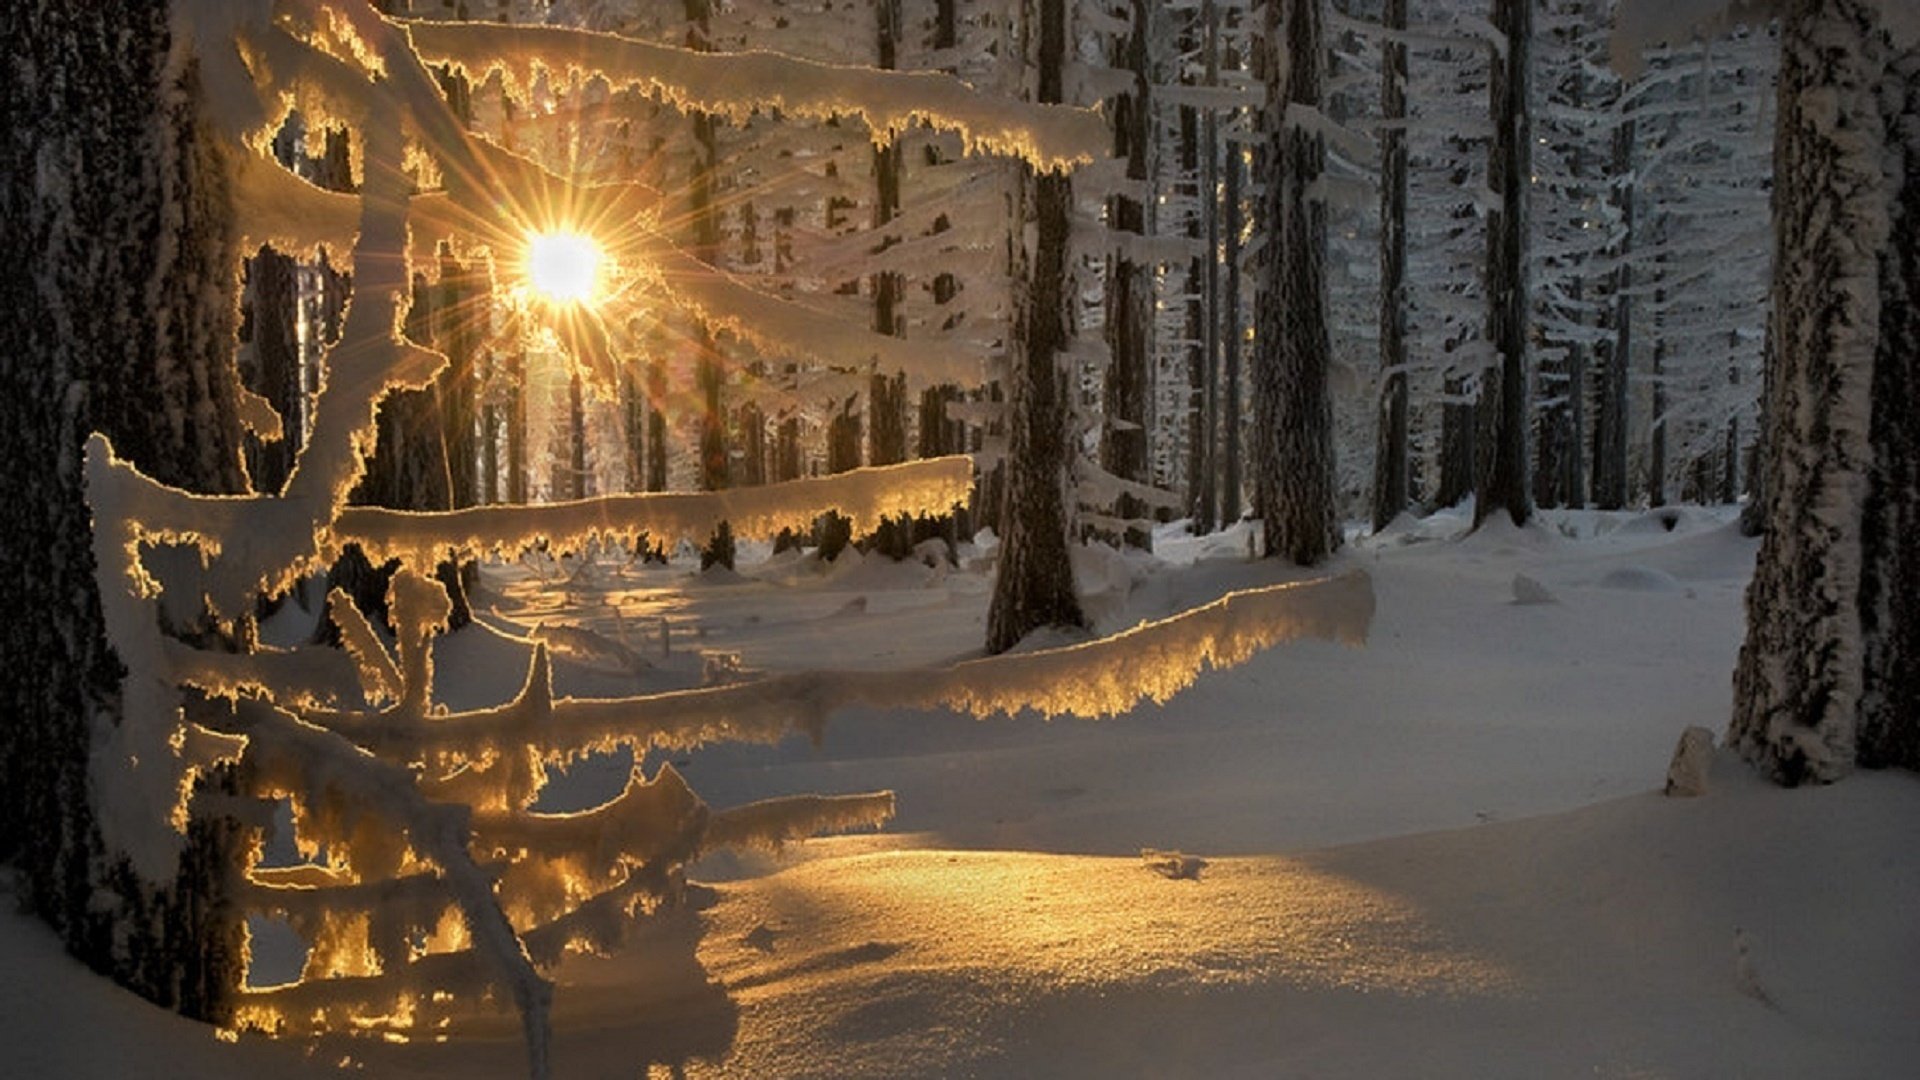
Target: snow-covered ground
[1442, 855]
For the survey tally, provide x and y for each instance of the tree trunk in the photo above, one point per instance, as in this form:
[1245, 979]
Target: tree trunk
[124, 325]
[1829, 674]
[1504, 398]
[1034, 587]
[1293, 405]
[1610, 419]
[1130, 293]
[1208, 496]
[1390, 480]
[271, 332]
[461, 314]
[1230, 470]
[516, 378]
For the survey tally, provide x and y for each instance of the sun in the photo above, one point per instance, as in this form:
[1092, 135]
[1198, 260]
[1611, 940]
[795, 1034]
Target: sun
[563, 267]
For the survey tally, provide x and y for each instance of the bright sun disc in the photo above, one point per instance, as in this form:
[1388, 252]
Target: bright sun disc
[563, 266]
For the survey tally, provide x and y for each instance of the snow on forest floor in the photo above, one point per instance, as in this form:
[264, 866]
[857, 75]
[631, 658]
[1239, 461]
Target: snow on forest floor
[1442, 855]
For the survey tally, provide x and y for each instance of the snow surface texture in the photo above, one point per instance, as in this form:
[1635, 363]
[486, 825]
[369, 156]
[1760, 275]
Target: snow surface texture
[1444, 855]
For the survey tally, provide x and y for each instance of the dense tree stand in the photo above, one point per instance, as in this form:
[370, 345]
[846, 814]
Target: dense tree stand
[1829, 675]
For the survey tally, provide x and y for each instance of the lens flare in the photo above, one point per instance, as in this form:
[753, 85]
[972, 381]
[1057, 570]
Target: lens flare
[563, 266]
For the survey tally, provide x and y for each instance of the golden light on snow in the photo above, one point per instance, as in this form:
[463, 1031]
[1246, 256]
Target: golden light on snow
[563, 267]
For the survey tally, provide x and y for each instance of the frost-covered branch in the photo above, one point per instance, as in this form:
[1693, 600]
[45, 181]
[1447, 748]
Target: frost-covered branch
[734, 84]
[931, 486]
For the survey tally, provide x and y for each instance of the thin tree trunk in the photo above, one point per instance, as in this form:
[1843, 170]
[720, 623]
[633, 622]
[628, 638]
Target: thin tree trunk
[1610, 421]
[1390, 476]
[1208, 497]
[1128, 383]
[1230, 407]
[1504, 398]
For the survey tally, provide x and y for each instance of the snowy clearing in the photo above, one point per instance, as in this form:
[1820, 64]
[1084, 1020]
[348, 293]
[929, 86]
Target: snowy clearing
[1442, 854]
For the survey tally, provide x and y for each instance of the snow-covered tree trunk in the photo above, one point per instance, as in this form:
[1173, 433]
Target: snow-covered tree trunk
[1610, 413]
[123, 323]
[1034, 586]
[1504, 396]
[1293, 406]
[1829, 675]
[1391, 487]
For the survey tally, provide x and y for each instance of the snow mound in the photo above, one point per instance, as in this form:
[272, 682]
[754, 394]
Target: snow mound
[1528, 591]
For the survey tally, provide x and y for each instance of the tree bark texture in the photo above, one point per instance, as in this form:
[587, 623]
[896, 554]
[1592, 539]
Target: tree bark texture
[1034, 586]
[1293, 405]
[1829, 675]
[123, 323]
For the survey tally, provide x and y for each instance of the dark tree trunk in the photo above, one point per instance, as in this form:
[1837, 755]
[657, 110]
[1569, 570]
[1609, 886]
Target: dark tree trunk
[656, 426]
[1459, 442]
[1199, 424]
[1130, 292]
[1504, 397]
[753, 445]
[786, 451]
[1207, 498]
[274, 372]
[704, 220]
[1829, 675]
[1390, 475]
[1034, 587]
[1230, 407]
[516, 377]
[1293, 405]
[124, 326]
[576, 486]
[460, 315]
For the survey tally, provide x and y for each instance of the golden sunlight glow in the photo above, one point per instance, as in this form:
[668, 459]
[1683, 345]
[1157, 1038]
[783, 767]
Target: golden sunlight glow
[564, 267]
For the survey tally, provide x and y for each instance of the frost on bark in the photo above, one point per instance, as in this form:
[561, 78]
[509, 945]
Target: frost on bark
[1504, 404]
[1293, 407]
[1610, 413]
[1829, 675]
[123, 323]
[1034, 587]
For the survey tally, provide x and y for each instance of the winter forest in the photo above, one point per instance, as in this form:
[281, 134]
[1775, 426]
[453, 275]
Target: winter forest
[874, 538]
